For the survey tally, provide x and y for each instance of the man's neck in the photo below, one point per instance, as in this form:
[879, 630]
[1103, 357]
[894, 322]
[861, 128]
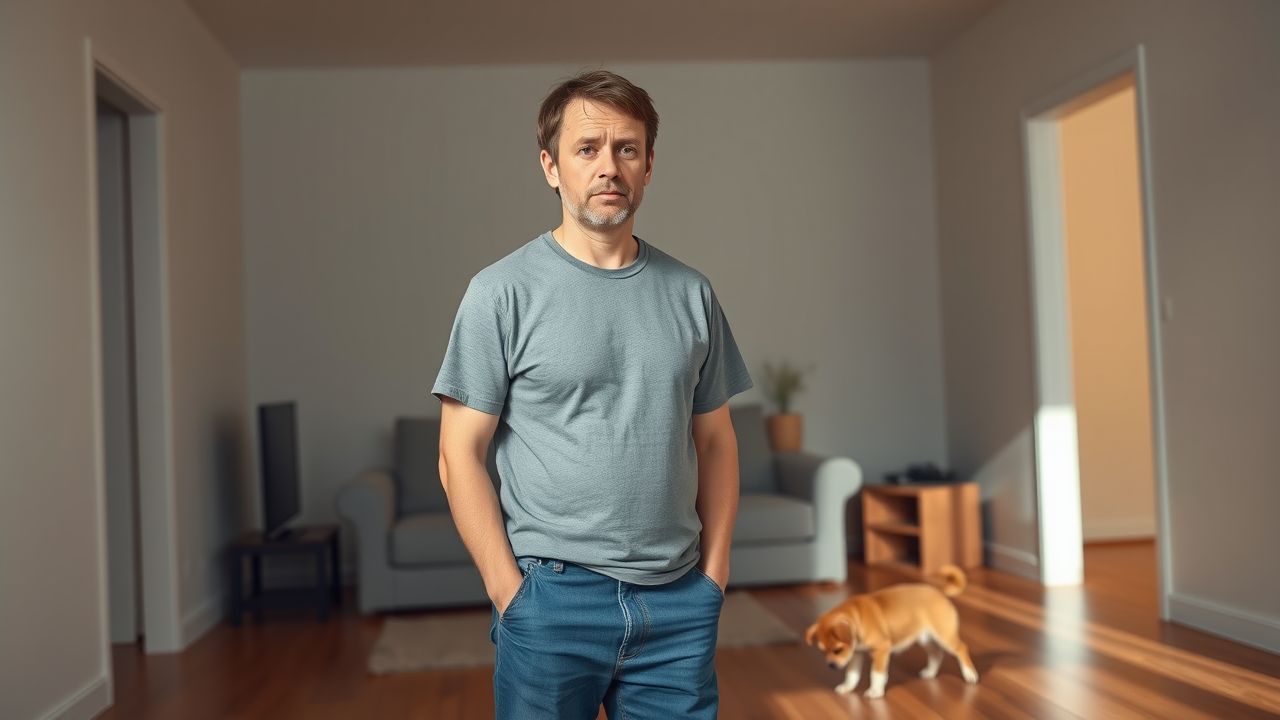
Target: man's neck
[606, 249]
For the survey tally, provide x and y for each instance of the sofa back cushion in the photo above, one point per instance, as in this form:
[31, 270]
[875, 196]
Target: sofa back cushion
[755, 458]
[417, 466]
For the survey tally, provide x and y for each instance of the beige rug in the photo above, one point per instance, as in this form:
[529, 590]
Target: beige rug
[461, 640]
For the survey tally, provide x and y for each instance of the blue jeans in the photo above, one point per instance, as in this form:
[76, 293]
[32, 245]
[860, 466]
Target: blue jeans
[571, 639]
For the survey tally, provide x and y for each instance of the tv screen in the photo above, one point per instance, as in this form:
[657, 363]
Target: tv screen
[278, 435]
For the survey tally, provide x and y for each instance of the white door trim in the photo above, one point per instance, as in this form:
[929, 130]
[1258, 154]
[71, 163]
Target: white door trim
[1057, 459]
[156, 494]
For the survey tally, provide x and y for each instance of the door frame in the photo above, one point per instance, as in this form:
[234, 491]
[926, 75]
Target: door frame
[1058, 520]
[156, 493]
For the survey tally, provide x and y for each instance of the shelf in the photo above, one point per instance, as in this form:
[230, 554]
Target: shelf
[920, 527]
[895, 528]
[901, 566]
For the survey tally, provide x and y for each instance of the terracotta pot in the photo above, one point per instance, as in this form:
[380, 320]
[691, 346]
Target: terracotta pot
[786, 432]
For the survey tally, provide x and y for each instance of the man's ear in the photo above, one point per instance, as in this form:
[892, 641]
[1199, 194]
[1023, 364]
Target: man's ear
[811, 634]
[549, 169]
[648, 171]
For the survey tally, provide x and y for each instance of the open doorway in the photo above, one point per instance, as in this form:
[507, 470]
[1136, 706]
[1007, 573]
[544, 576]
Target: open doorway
[1099, 422]
[1106, 290]
[119, 382]
[135, 487]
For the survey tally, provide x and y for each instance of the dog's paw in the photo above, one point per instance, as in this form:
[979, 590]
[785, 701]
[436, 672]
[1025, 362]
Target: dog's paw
[929, 673]
[970, 675]
[845, 688]
[874, 693]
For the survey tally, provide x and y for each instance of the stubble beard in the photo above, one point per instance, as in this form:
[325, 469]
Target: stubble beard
[595, 219]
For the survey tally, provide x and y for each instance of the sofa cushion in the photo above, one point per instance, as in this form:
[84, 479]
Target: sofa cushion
[773, 518]
[417, 464]
[755, 458]
[417, 459]
[427, 539]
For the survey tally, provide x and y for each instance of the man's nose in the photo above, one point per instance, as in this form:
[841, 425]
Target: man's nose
[608, 167]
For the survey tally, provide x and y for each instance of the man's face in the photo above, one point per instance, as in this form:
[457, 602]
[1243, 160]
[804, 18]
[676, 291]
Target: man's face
[603, 166]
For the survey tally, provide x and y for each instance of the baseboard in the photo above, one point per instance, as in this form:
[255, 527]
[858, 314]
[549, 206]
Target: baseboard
[1241, 626]
[1119, 529]
[85, 704]
[203, 619]
[1013, 561]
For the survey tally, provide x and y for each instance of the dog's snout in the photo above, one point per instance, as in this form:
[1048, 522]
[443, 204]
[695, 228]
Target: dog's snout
[833, 665]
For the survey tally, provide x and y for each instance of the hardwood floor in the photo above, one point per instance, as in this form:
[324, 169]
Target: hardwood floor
[1098, 651]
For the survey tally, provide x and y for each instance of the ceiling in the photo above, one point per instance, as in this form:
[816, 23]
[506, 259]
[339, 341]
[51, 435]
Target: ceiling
[334, 33]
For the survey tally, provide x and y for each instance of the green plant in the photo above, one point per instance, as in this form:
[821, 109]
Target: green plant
[782, 382]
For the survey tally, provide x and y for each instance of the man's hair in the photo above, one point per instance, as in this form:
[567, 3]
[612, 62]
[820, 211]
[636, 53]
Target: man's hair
[600, 86]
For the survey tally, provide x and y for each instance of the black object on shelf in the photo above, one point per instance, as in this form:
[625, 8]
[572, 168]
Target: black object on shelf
[920, 473]
[281, 487]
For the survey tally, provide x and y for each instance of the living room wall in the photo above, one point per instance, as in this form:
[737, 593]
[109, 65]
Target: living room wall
[803, 190]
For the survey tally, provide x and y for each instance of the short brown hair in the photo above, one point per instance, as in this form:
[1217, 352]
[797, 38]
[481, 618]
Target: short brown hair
[599, 86]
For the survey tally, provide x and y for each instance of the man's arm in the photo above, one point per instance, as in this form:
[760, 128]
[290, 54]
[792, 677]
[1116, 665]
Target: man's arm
[465, 434]
[717, 448]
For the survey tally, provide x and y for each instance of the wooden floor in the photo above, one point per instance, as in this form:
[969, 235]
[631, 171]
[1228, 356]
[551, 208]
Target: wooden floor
[1092, 652]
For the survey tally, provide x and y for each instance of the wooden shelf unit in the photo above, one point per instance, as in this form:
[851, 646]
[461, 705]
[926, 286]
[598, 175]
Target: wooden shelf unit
[922, 527]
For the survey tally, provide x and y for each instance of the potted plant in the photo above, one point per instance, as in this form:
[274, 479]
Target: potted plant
[781, 383]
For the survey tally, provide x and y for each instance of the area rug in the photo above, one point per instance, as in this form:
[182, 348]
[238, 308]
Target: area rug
[461, 639]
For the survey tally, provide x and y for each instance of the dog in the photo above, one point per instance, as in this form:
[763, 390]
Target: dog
[888, 621]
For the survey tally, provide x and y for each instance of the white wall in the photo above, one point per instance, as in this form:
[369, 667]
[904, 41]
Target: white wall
[52, 589]
[1216, 176]
[803, 190]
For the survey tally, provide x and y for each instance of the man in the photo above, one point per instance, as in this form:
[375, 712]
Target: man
[600, 367]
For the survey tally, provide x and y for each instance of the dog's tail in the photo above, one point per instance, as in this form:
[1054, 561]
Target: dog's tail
[954, 580]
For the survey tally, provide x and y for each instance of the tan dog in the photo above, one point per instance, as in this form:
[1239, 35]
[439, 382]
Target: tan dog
[888, 621]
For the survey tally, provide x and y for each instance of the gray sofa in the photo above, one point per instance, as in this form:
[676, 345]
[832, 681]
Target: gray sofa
[790, 525]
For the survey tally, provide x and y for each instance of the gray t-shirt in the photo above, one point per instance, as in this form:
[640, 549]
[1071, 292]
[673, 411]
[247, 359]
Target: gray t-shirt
[595, 375]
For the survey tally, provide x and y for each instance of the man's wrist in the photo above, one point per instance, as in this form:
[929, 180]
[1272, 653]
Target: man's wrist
[716, 565]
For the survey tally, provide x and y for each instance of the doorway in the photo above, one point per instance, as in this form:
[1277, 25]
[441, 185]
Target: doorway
[1099, 422]
[137, 548]
[119, 380]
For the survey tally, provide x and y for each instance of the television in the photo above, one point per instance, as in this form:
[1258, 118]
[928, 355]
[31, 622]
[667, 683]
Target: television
[278, 444]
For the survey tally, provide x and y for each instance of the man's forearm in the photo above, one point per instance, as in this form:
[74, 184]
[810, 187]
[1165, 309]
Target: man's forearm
[717, 504]
[478, 516]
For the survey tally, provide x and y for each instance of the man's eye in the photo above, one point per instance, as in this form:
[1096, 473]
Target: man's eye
[628, 151]
[582, 150]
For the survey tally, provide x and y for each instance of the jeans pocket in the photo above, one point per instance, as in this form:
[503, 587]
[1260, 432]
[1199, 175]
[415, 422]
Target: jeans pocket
[710, 581]
[520, 593]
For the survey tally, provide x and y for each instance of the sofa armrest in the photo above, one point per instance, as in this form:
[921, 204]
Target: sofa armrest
[828, 483]
[369, 504]
[812, 477]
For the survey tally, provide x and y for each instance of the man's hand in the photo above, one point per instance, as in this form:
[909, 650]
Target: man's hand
[719, 574]
[503, 595]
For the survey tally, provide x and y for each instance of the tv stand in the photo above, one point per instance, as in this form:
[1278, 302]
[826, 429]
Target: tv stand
[285, 534]
[319, 541]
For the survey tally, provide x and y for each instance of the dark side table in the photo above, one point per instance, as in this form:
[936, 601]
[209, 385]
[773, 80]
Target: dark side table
[319, 541]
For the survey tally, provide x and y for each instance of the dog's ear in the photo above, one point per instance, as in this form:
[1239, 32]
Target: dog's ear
[811, 635]
[842, 628]
[854, 618]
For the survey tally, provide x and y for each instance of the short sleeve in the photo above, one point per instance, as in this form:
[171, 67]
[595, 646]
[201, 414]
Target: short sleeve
[724, 373]
[474, 370]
